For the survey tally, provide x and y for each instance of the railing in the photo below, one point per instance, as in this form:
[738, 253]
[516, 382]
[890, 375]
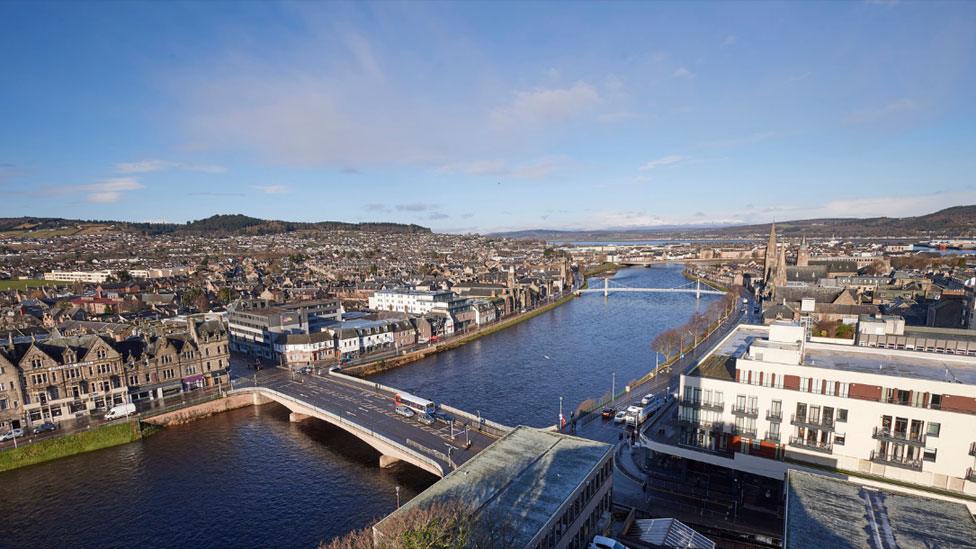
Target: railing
[824, 424]
[972, 449]
[714, 451]
[704, 405]
[776, 415]
[772, 436]
[745, 432]
[971, 474]
[745, 411]
[825, 448]
[911, 464]
[881, 433]
[405, 446]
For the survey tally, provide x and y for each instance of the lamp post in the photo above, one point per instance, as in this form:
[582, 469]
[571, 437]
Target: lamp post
[398, 496]
[613, 385]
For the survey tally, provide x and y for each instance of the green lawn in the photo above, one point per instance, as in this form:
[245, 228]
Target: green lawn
[69, 445]
[24, 284]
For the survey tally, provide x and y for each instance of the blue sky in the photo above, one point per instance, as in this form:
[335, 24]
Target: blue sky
[482, 117]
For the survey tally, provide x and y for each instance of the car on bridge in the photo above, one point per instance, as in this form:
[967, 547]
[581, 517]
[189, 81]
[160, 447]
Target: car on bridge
[620, 417]
[608, 412]
[405, 411]
[426, 419]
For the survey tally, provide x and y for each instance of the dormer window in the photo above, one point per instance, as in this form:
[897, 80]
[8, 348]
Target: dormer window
[36, 362]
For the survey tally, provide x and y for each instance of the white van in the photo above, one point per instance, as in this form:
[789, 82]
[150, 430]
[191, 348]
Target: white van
[122, 410]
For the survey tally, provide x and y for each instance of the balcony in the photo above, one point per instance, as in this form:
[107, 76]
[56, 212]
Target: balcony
[774, 415]
[772, 437]
[971, 474]
[900, 437]
[700, 424]
[708, 405]
[811, 445]
[745, 432]
[803, 421]
[902, 463]
[745, 411]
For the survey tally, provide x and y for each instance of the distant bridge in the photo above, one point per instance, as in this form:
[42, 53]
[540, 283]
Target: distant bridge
[619, 287]
[366, 410]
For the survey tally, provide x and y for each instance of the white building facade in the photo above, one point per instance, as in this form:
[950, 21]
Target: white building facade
[756, 399]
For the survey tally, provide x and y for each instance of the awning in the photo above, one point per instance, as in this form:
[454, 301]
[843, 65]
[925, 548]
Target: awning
[189, 380]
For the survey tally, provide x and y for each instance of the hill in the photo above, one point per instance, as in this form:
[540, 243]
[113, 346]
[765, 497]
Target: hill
[957, 221]
[232, 224]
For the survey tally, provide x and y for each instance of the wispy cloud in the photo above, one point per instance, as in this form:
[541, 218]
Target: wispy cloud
[888, 111]
[437, 216]
[415, 207]
[683, 72]
[102, 192]
[535, 169]
[148, 166]
[729, 40]
[272, 189]
[209, 193]
[376, 207]
[669, 160]
[541, 107]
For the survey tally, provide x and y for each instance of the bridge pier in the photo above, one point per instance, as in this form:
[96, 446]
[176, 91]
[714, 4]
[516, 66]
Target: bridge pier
[606, 286]
[387, 461]
[295, 417]
[258, 399]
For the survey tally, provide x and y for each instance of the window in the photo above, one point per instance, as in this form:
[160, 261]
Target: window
[936, 403]
[842, 389]
[841, 415]
[929, 454]
[840, 439]
[933, 429]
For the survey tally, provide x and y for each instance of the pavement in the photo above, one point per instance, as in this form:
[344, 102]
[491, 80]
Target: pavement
[373, 409]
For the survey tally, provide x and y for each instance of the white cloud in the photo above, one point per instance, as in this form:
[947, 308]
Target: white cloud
[893, 109]
[272, 189]
[536, 169]
[729, 40]
[102, 192]
[682, 72]
[669, 160]
[148, 166]
[545, 106]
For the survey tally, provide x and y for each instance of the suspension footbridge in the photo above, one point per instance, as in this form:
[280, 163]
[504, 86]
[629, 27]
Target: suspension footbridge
[694, 287]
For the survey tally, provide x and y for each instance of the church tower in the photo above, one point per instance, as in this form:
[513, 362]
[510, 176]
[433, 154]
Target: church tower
[770, 257]
[779, 276]
[803, 254]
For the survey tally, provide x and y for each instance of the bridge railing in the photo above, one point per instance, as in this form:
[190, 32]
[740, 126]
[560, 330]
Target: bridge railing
[403, 446]
[477, 422]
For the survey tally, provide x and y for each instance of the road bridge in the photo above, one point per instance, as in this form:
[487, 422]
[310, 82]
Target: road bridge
[619, 287]
[366, 410]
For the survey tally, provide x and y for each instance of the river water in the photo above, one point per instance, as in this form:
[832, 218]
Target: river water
[249, 478]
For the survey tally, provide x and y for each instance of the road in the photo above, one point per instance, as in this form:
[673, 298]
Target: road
[373, 409]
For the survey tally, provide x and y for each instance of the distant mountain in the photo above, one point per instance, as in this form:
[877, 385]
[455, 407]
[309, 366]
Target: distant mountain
[219, 224]
[958, 221]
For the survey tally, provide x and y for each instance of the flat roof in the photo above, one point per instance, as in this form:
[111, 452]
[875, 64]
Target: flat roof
[907, 364]
[524, 477]
[828, 512]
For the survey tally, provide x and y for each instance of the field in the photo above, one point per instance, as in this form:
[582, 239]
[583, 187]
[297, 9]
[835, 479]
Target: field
[24, 284]
[69, 445]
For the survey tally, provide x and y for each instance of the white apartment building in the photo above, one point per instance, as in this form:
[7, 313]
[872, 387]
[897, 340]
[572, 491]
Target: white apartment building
[78, 276]
[766, 399]
[166, 272]
[416, 302]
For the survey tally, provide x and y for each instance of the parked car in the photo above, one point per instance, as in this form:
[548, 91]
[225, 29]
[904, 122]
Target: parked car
[426, 419]
[608, 412]
[45, 427]
[12, 434]
[404, 411]
[600, 542]
[620, 417]
[305, 370]
[122, 410]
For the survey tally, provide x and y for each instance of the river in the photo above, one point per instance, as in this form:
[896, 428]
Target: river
[249, 478]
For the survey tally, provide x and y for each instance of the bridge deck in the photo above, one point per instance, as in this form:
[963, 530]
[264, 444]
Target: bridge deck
[373, 410]
[652, 290]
